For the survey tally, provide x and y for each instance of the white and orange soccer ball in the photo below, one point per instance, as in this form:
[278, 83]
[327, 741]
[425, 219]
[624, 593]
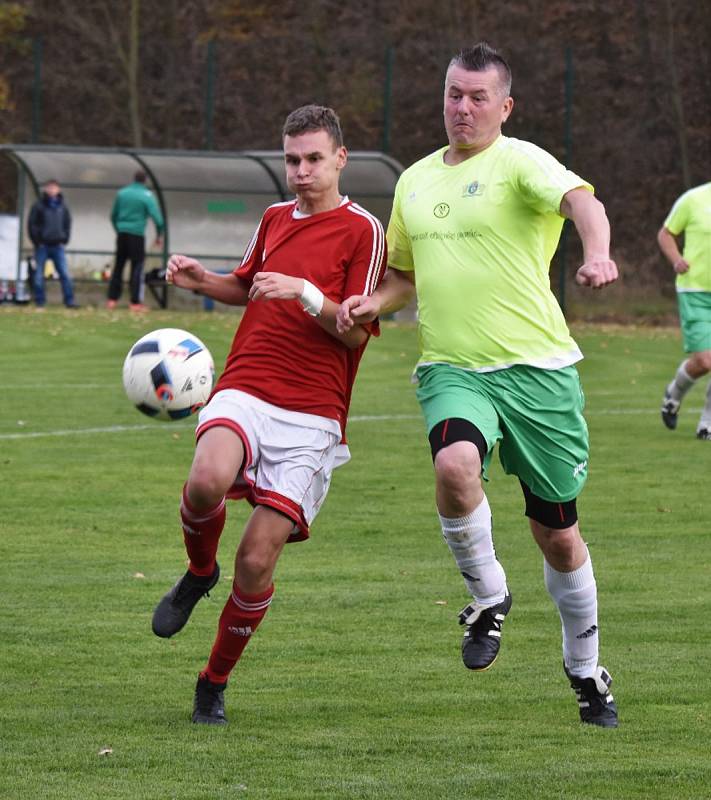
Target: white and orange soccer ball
[168, 374]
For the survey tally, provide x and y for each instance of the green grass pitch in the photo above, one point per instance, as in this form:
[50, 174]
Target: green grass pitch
[353, 687]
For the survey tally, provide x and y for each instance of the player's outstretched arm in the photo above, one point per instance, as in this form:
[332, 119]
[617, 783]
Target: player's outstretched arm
[670, 247]
[394, 293]
[188, 273]
[590, 220]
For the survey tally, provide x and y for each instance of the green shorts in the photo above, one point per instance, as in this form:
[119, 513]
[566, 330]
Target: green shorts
[695, 315]
[536, 415]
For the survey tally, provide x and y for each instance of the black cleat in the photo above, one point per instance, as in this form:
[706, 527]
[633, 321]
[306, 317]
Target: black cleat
[209, 703]
[597, 706]
[177, 605]
[703, 433]
[482, 640]
[670, 411]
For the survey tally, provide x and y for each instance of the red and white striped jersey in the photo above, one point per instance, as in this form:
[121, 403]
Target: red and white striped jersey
[280, 354]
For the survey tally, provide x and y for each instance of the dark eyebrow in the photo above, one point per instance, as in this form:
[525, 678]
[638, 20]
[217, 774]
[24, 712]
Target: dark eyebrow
[306, 155]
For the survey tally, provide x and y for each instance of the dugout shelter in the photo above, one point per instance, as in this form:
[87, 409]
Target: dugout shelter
[211, 201]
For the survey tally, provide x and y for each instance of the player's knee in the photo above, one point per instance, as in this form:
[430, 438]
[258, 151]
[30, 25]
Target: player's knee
[457, 467]
[255, 565]
[559, 546]
[207, 485]
[703, 359]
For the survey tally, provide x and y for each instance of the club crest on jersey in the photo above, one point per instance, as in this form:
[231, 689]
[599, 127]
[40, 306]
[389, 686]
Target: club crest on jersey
[473, 189]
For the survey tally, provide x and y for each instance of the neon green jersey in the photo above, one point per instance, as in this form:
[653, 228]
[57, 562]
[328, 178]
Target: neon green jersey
[691, 215]
[480, 236]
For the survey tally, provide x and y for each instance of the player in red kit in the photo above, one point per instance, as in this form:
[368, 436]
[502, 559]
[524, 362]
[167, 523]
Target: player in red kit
[274, 428]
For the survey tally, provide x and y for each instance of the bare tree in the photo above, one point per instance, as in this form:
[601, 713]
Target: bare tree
[677, 97]
[127, 54]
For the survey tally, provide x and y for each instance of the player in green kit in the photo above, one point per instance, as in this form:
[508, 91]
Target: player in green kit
[690, 216]
[474, 226]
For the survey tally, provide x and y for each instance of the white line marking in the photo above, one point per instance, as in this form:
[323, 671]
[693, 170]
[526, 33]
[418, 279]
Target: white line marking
[50, 386]
[380, 417]
[76, 431]
[158, 426]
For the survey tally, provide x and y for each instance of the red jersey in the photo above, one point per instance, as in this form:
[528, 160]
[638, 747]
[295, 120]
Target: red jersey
[280, 353]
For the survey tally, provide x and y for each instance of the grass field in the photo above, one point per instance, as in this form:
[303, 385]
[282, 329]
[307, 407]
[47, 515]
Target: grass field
[353, 687]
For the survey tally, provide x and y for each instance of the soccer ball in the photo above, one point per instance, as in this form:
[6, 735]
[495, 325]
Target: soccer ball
[168, 374]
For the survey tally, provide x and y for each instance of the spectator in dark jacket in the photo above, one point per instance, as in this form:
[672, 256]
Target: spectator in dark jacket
[49, 227]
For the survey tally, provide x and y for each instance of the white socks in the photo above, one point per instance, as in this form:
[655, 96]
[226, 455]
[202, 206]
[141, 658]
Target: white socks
[469, 538]
[681, 384]
[575, 595]
[705, 421]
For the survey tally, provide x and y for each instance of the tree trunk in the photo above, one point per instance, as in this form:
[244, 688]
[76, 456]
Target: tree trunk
[133, 88]
[677, 99]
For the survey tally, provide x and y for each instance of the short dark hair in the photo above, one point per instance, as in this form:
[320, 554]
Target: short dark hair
[139, 176]
[314, 118]
[479, 58]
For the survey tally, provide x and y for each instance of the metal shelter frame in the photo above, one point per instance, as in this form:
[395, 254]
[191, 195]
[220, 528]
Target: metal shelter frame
[211, 201]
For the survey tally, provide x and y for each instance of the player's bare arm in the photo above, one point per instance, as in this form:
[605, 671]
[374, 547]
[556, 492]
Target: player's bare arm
[188, 273]
[277, 286]
[394, 293]
[669, 246]
[590, 220]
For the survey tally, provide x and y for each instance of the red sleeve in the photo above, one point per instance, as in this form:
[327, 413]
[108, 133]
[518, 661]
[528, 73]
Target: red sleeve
[252, 258]
[369, 258]
[367, 267]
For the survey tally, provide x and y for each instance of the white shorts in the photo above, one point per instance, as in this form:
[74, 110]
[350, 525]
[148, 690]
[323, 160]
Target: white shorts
[289, 456]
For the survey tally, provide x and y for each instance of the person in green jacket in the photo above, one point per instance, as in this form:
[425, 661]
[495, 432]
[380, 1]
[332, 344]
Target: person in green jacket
[133, 205]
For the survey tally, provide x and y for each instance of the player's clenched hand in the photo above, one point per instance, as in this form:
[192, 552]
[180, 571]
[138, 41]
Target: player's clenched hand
[355, 309]
[681, 266]
[597, 273]
[184, 272]
[275, 286]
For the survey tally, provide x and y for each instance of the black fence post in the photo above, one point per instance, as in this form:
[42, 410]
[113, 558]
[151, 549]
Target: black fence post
[568, 154]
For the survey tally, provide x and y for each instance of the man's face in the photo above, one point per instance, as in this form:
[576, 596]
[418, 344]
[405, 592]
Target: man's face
[313, 163]
[52, 189]
[475, 107]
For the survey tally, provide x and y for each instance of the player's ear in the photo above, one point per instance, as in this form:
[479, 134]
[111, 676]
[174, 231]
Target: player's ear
[507, 109]
[341, 157]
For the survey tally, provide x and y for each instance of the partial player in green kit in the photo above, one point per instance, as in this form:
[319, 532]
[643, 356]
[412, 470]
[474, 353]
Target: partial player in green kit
[474, 226]
[690, 217]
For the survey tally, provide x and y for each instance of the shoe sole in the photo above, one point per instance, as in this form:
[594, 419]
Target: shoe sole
[482, 669]
[614, 724]
[493, 660]
[208, 721]
[670, 421]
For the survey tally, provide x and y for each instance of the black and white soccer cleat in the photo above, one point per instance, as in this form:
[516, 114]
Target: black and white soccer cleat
[482, 639]
[670, 410]
[596, 704]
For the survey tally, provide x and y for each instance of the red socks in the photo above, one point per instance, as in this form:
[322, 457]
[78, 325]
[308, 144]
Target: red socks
[240, 617]
[201, 534]
[242, 612]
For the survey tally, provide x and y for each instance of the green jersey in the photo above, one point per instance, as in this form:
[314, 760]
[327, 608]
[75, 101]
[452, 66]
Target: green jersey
[691, 215]
[480, 236]
[132, 207]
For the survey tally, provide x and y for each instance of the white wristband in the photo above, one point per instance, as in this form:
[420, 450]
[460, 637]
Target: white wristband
[311, 299]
